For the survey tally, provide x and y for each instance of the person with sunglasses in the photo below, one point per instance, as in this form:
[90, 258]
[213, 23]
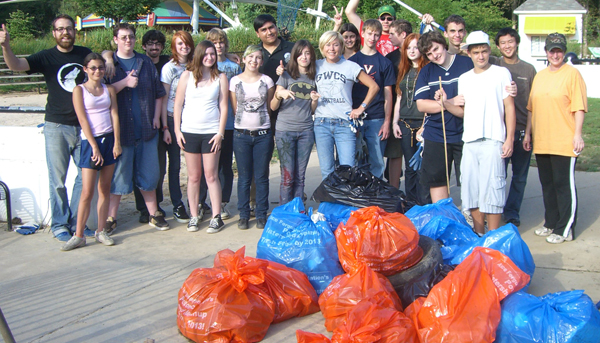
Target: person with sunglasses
[386, 15]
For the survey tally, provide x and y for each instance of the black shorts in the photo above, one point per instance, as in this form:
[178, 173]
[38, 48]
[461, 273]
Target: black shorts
[106, 144]
[433, 170]
[197, 143]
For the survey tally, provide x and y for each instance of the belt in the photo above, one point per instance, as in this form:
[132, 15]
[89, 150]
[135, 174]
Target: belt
[254, 133]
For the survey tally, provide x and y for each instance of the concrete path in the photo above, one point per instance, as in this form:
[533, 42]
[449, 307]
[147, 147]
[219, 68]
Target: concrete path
[128, 292]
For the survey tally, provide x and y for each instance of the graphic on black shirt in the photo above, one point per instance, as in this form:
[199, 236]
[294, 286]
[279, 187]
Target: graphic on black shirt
[70, 75]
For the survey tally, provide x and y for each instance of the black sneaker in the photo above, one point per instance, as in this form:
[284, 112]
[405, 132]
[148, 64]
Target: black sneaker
[144, 217]
[110, 225]
[243, 224]
[261, 222]
[180, 214]
[159, 222]
[216, 224]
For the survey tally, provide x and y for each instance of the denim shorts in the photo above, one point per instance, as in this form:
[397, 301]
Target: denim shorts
[106, 144]
[138, 163]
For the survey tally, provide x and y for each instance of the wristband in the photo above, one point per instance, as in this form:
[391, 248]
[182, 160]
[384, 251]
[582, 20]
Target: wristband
[165, 128]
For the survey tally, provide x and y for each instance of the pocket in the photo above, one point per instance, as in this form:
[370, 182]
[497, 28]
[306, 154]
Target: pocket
[497, 193]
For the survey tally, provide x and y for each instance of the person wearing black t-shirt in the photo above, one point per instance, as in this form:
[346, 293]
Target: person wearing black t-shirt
[62, 69]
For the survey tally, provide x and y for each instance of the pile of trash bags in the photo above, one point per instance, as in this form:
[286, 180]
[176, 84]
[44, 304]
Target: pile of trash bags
[379, 276]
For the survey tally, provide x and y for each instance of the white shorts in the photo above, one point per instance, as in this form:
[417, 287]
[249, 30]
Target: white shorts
[483, 176]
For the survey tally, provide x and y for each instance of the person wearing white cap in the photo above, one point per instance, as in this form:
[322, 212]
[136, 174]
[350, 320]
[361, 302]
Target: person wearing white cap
[489, 125]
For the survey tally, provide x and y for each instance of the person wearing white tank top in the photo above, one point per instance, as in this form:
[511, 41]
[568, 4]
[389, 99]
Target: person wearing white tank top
[97, 111]
[200, 115]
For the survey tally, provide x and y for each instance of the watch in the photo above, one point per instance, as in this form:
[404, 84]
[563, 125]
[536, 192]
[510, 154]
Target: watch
[364, 105]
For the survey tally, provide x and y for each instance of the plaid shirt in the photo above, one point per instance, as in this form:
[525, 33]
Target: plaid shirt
[149, 89]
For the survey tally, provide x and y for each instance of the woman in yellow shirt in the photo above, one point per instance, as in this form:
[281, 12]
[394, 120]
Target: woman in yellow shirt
[557, 105]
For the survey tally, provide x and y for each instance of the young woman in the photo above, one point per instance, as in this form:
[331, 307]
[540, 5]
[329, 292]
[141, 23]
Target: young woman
[296, 98]
[335, 79]
[251, 92]
[182, 50]
[351, 39]
[408, 120]
[200, 114]
[96, 107]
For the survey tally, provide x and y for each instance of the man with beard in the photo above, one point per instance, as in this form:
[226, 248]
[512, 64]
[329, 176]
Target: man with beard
[62, 69]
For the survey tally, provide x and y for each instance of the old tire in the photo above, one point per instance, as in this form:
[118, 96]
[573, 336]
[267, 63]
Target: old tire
[432, 257]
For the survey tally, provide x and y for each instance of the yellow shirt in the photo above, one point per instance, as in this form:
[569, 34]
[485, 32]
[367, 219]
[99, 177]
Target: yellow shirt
[554, 99]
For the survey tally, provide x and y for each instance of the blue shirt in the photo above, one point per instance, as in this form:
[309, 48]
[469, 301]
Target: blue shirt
[379, 69]
[230, 69]
[149, 89]
[428, 83]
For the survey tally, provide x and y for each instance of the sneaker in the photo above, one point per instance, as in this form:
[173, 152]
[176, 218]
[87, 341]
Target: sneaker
[224, 212]
[516, 222]
[557, 239]
[144, 217]
[73, 243]
[193, 225]
[63, 236]
[468, 217]
[216, 224]
[180, 214]
[110, 226]
[243, 224]
[261, 222]
[102, 237]
[88, 233]
[159, 222]
[543, 232]
[202, 209]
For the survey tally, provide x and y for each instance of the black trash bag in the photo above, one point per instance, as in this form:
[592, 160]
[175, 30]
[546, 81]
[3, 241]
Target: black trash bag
[421, 286]
[356, 186]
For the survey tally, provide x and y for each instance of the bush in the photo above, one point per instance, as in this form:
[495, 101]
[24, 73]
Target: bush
[21, 25]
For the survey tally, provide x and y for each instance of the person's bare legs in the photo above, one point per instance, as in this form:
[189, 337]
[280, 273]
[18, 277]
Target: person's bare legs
[395, 171]
[438, 193]
[150, 200]
[104, 182]
[493, 220]
[478, 220]
[194, 170]
[211, 174]
[113, 207]
[88, 180]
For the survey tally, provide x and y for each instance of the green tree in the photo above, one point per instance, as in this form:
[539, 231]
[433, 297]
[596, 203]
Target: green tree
[119, 9]
[21, 25]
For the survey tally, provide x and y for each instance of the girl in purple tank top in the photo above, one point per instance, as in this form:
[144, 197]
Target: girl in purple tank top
[96, 108]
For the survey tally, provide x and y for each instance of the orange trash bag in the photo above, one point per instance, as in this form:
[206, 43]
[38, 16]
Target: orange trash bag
[465, 306]
[386, 242]
[347, 290]
[309, 337]
[225, 303]
[291, 291]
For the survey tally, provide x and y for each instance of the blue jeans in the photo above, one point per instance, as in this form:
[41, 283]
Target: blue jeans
[376, 146]
[253, 158]
[294, 149]
[63, 142]
[330, 134]
[138, 164]
[520, 168]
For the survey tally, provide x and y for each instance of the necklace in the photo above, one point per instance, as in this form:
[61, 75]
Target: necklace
[410, 90]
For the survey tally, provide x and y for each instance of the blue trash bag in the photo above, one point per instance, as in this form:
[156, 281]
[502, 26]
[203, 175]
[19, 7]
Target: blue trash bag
[294, 240]
[336, 213]
[564, 317]
[421, 215]
[451, 233]
[505, 239]
[294, 206]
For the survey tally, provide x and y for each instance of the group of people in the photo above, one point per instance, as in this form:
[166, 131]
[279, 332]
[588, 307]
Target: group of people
[122, 113]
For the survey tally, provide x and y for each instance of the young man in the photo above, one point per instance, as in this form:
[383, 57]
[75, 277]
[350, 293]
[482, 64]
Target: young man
[139, 95]
[276, 50]
[399, 29]
[449, 67]
[507, 41]
[489, 126]
[376, 126]
[219, 38]
[386, 15]
[62, 69]
[456, 31]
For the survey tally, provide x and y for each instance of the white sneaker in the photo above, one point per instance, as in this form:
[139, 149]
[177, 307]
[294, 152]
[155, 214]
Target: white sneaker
[557, 239]
[193, 225]
[224, 212]
[543, 232]
[102, 237]
[73, 243]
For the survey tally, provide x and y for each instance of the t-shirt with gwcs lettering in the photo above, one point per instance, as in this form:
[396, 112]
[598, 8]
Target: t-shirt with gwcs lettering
[62, 71]
[334, 83]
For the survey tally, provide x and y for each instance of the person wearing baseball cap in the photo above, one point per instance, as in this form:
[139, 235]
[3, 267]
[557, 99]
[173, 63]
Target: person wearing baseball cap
[386, 14]
[557, 106]
[489, 124]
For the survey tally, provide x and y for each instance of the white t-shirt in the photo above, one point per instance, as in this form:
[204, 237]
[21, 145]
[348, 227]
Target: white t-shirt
[334, 84]
[252, 112]
[484, 103]
[201, 114]
[170, 75]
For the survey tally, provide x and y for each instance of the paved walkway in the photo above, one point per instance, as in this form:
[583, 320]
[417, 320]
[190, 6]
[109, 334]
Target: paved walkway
[128, 292]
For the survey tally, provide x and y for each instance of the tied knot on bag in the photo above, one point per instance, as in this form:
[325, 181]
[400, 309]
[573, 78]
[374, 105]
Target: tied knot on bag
[241, 270]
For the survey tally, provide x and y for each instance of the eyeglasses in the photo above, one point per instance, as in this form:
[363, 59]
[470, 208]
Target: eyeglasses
[387, 18]
[153, 44]
[93, 69]
[125, 38]
[63, 29]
